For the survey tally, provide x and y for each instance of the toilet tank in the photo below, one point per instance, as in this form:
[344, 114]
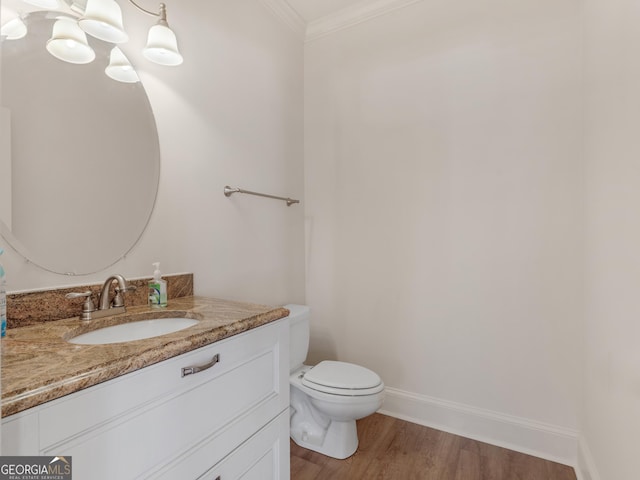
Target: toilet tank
[299, 316]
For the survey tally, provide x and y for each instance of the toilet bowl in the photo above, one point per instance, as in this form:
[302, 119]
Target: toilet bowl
[327, 399]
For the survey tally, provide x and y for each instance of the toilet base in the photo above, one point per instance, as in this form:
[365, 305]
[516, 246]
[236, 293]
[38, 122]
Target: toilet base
[324, 422]
[340, 440]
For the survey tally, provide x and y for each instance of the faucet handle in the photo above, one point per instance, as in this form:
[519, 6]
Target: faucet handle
[87, 306]
[118, 299]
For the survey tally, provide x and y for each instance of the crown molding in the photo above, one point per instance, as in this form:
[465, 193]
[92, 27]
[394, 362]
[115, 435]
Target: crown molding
[340, 20]
[282, 10]
[351, 16]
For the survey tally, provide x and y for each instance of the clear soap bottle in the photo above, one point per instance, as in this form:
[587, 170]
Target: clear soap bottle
[157, 289]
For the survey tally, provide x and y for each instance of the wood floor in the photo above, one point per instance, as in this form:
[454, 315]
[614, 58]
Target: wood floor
[393, 449]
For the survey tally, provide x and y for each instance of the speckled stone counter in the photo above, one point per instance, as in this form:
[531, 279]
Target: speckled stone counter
[39, 365]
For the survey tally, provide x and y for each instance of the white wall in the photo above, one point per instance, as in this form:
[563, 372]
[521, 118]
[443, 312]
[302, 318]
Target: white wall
[5, 166]
[611, 411]
[444, 184]
[231, 114]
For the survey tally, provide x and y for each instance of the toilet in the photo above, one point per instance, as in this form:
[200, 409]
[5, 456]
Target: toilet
[327, 399]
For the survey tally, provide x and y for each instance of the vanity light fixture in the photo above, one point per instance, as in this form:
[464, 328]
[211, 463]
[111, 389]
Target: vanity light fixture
[101, 19]
[120, 68]
[162, 46]
[69, 43]
[14, 29]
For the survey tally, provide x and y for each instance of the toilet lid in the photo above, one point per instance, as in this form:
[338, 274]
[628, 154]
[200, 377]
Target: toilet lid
[341, 376]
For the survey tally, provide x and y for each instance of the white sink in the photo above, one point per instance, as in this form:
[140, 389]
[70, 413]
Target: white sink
[128, 332]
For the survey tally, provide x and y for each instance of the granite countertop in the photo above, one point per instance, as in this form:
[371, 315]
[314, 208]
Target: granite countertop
[39, 365]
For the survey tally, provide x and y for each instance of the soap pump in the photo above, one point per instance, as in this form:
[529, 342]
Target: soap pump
[157, 288]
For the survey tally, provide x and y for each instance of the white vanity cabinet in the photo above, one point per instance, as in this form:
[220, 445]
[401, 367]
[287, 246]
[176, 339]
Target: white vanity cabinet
[229, 421]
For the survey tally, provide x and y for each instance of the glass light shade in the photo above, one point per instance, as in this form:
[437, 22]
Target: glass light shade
[14, 29]
[46, 4]
[162, 46]
[120, 68]
[69, 43]
[103, 19]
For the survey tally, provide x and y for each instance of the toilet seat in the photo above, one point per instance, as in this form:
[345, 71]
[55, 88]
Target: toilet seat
[341, 378]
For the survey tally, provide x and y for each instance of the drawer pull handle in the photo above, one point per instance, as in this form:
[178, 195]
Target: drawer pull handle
[199, 368]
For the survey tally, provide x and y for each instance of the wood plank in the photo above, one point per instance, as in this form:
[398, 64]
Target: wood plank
[393, 449]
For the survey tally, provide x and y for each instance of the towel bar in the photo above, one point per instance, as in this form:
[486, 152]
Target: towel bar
[228, 191]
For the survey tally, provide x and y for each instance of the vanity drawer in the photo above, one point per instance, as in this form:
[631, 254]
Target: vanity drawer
[265, 456]
[125, 396]
[164, 416]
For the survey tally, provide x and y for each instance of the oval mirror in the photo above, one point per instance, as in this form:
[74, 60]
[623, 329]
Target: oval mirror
[82, 154]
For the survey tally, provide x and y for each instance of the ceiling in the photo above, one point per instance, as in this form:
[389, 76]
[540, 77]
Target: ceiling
[311, 10]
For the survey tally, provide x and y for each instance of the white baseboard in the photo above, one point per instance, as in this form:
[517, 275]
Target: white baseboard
[515, 433]
[586, 467]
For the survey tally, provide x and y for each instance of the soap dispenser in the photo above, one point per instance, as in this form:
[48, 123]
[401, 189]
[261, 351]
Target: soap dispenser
[157, 289]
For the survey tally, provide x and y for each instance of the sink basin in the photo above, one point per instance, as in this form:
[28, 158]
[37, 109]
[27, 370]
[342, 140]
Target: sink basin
[128, 332]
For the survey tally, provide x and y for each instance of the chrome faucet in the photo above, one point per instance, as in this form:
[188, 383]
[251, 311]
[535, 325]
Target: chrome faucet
[106, 305]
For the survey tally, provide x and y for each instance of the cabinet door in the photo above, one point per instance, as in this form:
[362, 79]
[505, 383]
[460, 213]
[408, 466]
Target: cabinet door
[20, 434]
[265, 456]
